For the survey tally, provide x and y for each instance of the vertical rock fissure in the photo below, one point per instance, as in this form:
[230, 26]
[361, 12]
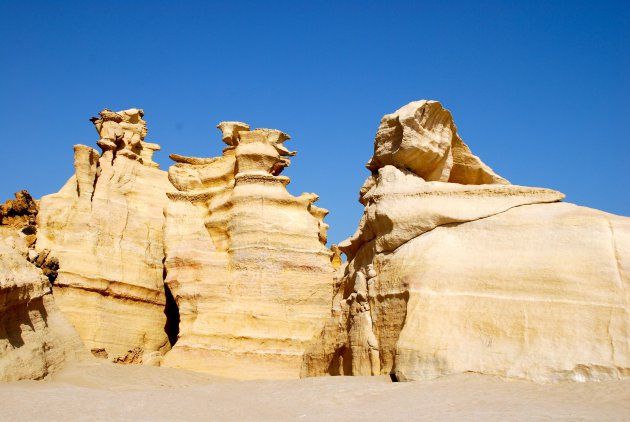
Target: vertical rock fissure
[171, 310]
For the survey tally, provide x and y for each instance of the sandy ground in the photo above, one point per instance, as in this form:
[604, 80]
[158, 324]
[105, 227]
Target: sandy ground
[108, 392]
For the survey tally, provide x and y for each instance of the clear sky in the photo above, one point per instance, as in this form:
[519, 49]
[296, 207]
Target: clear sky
[540, 90]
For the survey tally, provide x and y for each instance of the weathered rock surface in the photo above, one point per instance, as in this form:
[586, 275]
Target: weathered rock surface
[104, 228]
[35, 338]
[246, 261]
[423, 138]
[554, 306]
[452, 269]
[19, 212]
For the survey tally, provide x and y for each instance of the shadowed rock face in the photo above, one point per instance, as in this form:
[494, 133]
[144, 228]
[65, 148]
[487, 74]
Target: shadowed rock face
[453, 269]
[246, 261]
[105, 229]
[35, 338]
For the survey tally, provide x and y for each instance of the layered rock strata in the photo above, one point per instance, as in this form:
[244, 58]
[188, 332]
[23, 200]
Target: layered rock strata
[453, 269]
[35, 338]
[246, 261]
[105, 229]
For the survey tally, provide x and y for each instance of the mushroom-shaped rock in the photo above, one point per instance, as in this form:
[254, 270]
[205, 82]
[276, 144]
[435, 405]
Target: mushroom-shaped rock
[230, 131]
[277, 138]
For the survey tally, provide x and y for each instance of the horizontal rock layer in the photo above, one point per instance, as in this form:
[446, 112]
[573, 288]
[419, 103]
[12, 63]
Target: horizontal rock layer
[539, 292]
[245, 260]
[105, 228]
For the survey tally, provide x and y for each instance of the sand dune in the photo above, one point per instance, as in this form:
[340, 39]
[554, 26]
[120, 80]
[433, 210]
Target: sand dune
[103, 391]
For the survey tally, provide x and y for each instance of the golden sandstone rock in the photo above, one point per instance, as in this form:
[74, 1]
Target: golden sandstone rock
[452, 269]
[19, 212]
[246, 261]
[105, 228]
[35, 338]
[422, 137]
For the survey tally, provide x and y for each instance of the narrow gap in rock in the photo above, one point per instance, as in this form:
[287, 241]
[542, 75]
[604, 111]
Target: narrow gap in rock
[393, 377]
[171, 310]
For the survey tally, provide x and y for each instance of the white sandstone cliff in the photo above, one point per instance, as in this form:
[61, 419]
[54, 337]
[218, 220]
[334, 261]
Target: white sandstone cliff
[453, 269]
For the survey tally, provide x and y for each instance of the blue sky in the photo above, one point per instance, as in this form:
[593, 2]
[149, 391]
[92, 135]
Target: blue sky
[539, 90]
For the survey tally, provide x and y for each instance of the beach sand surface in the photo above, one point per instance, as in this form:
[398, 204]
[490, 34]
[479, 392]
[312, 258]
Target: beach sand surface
[109, 392]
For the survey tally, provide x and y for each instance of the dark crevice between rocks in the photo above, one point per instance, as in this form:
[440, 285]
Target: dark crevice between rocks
[171, 310]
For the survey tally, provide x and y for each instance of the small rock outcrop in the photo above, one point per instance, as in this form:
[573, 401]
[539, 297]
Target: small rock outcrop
[35, 338]
[19, 212]
[246, 261]
[104, 231]
[453, 269]
[423, 138]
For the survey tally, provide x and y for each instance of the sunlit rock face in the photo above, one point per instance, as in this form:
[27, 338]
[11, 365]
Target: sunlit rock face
[453, 269]
[245, 260]
[35, 338]
[105, 228]
[423, 138]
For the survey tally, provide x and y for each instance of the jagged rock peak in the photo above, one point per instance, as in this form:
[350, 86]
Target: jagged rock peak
[123, 132]
[231, 135]
[235, 133]
[422, 137]
[230, 131]
[249, 152]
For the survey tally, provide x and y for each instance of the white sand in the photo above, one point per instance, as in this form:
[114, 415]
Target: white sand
[107, 392]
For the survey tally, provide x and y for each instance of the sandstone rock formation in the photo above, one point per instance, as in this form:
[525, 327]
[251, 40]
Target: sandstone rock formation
[105, 230]
[35, 338]
[246, 261]
[422, 137]
[452, 269]
[19, 212]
